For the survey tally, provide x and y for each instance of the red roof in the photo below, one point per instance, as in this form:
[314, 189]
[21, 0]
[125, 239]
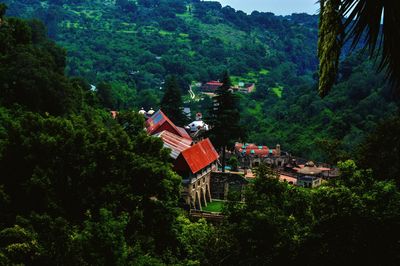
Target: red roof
[174, 142]
[253, 149]
[214, 83]
[200, 155]
[160, 122]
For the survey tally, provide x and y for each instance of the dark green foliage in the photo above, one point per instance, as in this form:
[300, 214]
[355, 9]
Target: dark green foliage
[78, 164]
[325, 130]
[171, 103]
[25, 53]
[353, 219]
[381, 150]
[3, 9]
[105, 94]
[233, 163]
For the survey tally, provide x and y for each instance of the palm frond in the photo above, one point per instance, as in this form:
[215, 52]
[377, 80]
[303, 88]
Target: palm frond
[377, 23]
[329, 44]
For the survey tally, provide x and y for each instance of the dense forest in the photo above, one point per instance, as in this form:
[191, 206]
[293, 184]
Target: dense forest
[135, 45]
[78, 187]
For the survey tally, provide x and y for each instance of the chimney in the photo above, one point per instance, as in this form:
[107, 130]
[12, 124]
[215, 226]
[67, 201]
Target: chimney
[278, 150]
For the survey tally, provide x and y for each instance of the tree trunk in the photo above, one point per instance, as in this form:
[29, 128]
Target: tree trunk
[223, 159]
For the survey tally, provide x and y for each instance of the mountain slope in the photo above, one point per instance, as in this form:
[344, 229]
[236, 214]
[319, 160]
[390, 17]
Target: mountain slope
[135, 44]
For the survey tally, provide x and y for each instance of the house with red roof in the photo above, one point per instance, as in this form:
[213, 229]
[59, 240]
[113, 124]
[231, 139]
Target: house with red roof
[211, 86]
[159, 122]
[195, 165]
[252, 155]
[193, 161]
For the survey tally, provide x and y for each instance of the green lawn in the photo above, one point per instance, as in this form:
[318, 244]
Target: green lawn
[278, 91]
[215, 206]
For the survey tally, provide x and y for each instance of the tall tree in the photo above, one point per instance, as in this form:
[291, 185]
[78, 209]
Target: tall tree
[106, 95]
[225, 118]
[3, 9]
[341, 20]
[171, 103]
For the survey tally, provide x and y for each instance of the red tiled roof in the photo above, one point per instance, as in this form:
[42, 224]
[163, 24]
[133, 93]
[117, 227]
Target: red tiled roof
[156, 123]
[200, 155]
[174, 142]
[249, 149]
[214, 83]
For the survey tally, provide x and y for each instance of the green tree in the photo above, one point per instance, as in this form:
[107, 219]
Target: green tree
[18, 246]
[32, 73]
[225, 118]
[381, 150]
[233, 163]
[3, 9]
[104, 234]
[273, 220]
[106, 95]
[356, 218]
[171, 103]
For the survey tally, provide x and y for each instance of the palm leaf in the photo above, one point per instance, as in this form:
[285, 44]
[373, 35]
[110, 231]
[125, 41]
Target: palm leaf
[363, 22]
[329, 44]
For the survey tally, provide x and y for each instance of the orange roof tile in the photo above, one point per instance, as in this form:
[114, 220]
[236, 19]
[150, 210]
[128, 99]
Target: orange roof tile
[200, 155]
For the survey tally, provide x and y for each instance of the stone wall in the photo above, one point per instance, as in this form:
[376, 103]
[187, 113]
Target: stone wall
[222, 183]
[197, 192]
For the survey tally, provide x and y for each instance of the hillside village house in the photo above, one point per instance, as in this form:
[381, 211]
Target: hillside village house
[193, 161]
[159, 122]
[212, 87]
[309, 175]
[252, 155]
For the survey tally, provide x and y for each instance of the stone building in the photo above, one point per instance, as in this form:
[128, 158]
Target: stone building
[194, 162]
[309, 175]
[195, 165]
[224, 183]
[252, 155]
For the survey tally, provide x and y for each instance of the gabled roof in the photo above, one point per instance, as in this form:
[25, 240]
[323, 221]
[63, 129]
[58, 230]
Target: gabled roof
[200, 155]
[174, 142]
[159, 119]
[184, 133]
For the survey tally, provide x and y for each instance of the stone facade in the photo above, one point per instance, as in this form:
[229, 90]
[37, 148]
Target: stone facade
[222, 183]
[197, 190]
[250, 162]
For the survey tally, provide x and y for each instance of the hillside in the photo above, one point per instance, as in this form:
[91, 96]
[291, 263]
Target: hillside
[134, 45]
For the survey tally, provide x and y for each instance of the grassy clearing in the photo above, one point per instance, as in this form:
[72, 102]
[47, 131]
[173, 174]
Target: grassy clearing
[251, 77]
[278, 91]
[215, 206]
